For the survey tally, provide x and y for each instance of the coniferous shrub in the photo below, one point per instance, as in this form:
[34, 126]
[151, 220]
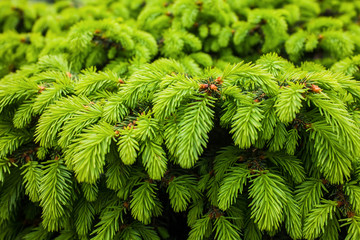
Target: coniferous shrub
[179, 119]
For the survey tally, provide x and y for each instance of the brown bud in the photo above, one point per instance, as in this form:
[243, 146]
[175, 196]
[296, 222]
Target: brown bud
[240, 158]
[256, 100]
[213, 87]
[41, 88]
[315, 88]
[68, 74]
[126, 205]
[121, 81]
[321, 37]
[172, 178]
[97, 31]
[219, 80]
[204, 86]
[117, 132]
[350, 214]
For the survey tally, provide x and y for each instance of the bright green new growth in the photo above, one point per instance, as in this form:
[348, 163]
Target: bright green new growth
[179, 120]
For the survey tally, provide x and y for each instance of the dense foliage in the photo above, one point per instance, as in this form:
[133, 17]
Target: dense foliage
[160, 119]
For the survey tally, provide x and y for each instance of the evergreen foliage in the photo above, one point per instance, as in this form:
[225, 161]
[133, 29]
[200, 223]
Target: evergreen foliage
[179, 119]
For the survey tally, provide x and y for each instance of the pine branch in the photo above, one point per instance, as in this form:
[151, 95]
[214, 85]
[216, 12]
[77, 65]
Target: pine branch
[231, 185]
[288, 164]
[331, 230]
[54, 117]
[24, 114]
[32, 174]
[144, 203]
[91, 81]
[318, 217]
[309, 194]
[16, 89]
[128, 145]
[55, 193]
[246, 124]
[53, 63]
[331, 157]
[293, 223]
[249, 77]
[78, 121]
[292, 141]
[180, 191]
[252, 231]
[115, 109]
[171, 128]
[109, 223]
[225, 159]
[90, 191]
[39, 233]
[84, 217]
[88, 151]
[117, 174]
[12, 141]
[4, 168]
[278, 141]
[225, 229]
[288, 102]
[11, 192]
[145, 232]
[202, 228]
[61, 87]
[352, 190]
[193, 130]
[340, 120]
[268, 200]
[168, 100]
[354, 228]
[195, 212]
[154, 159]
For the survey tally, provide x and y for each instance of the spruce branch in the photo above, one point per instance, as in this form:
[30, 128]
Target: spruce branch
[193, 131]
[180, 191]
[144, 203]
[224, 229]
[87, 153]
[32, 175]
[288, 102]
[84, 217]
[232, 184]
[318, 217]
[201, 229]
[246, 124]
[268, 196]
[55, 193]
[109, 223]
[128, 145]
